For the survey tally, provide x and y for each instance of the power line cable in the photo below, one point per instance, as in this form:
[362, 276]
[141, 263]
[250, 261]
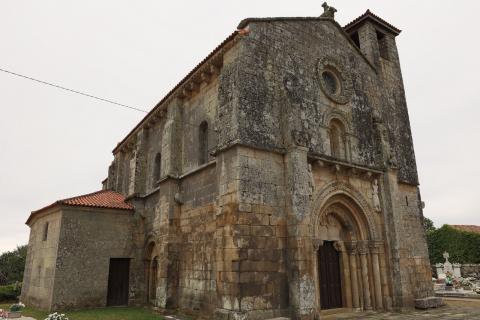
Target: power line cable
[72, 90]
[91, 96]
[110, 101]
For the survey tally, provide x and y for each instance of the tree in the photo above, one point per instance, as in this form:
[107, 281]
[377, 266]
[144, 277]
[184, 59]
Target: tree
[428, 225]
[12, 265]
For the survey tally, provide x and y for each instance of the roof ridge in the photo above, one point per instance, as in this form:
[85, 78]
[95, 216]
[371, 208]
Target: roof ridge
[369, 13]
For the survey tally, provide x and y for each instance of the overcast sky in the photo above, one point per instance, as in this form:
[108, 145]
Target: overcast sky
[54, 144]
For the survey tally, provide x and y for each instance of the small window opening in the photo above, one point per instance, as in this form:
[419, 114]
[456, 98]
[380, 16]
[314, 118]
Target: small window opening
[157, 167]
[45, 232]
[355, 38]
[203, 143]
[382, 45]
[406, 200]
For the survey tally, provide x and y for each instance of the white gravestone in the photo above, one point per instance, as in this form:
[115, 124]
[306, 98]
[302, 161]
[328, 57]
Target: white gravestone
[447, 266]
[440, 274]
[457, 273]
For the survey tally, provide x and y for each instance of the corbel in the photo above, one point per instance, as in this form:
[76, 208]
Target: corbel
[214, 70]
[185, 93]
[205, 77]
[320, 163]
[336, 168]
[353, 171]
[192, 86]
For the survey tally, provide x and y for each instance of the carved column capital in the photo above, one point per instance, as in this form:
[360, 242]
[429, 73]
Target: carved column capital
[339, 246]
[362, 247]
[317, 243]
[376, 246]
[351, 247]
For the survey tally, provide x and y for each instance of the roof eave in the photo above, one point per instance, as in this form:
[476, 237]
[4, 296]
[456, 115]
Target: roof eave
[179, 85]
[374, 18]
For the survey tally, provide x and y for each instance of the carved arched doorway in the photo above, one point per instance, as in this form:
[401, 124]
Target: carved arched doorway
[350, 262]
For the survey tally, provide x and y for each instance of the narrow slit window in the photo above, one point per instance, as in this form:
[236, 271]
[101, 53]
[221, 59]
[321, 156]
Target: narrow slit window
[45, 231]
[203, 143]
[157, 169]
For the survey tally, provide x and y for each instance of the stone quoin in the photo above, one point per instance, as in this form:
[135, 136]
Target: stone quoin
[277, 179]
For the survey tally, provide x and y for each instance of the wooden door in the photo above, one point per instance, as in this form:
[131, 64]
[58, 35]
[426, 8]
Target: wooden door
[329, 274]
[118, 278]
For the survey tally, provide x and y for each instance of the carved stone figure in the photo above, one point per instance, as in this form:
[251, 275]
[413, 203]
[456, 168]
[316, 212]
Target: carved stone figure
[311, 181]
[376, 199]
[328, 12]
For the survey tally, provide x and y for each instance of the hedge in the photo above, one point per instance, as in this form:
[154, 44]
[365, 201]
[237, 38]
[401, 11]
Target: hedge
[462, 246]
[10, 292]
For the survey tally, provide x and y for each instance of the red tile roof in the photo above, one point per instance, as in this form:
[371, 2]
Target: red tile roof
[466, 228]
[370, 15]
[101, 199]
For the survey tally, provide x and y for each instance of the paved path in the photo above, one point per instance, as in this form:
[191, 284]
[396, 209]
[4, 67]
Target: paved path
[455, 309]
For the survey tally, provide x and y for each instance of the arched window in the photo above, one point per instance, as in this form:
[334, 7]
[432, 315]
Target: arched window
[157, 169]
[337, 139]
[203, 143]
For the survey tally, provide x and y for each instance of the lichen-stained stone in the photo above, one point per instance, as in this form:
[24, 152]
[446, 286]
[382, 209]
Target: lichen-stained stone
[277, 179]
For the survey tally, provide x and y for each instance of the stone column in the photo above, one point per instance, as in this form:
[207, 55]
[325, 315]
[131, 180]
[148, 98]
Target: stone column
[340, 247]
[317, 243]
[363, 251]
[386, 293]
[301, 280]
[352, 252]
[374, 251]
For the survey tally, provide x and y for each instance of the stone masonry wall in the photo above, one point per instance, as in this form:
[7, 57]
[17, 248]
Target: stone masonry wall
[39, 275]
[88, 239]
[197, 272]
[280, 97]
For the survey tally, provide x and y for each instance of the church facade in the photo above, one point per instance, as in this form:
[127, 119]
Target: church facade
[278, 178]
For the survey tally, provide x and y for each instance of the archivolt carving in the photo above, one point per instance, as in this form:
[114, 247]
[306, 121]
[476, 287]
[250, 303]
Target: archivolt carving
[151, 247]
[336, 114]
[341, 188]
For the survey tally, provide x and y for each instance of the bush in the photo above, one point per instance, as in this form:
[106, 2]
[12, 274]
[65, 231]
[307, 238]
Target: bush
[10, 292]
[17, 307]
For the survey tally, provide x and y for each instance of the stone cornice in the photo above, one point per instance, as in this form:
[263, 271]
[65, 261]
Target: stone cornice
[348, 167]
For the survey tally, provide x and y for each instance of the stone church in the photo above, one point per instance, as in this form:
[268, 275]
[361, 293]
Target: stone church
[278, 178]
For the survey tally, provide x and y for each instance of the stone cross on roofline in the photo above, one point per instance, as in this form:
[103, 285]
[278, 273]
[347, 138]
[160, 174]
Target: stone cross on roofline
[328, 12]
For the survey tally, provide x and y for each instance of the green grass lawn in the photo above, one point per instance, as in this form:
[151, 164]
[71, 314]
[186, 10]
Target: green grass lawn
[115, 313]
